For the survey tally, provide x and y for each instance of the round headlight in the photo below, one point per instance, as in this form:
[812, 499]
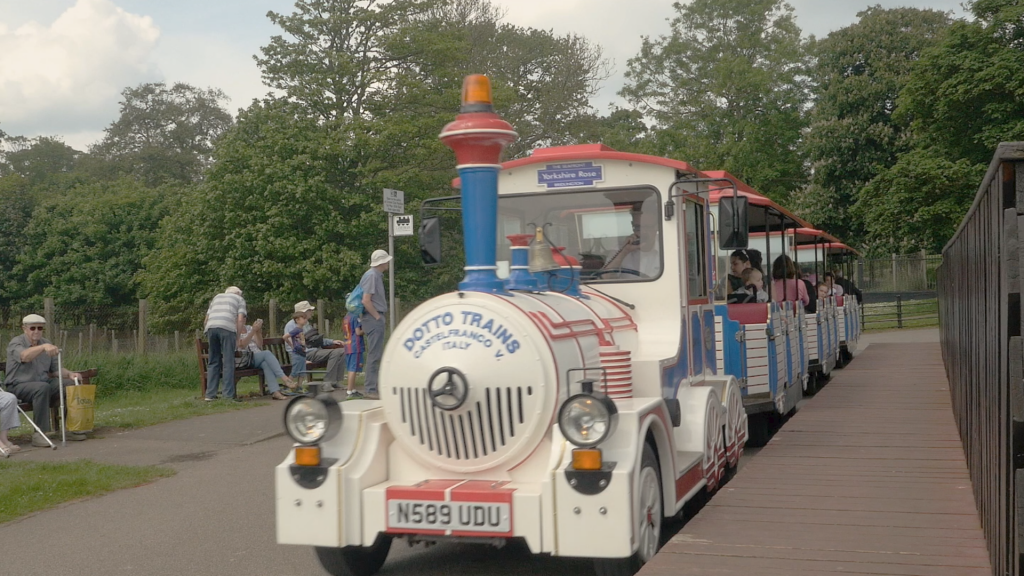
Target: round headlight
[310, 420]
[586, 420]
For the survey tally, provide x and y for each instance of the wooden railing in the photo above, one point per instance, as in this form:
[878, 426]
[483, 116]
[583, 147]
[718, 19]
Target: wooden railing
[980, 322]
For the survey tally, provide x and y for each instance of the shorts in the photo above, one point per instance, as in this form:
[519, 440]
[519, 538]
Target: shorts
[298, 365]
[354, 361]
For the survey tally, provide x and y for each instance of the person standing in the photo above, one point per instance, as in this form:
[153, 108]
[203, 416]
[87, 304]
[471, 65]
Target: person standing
[32, 374]
[375, 306]
[355, 349]
[225, 319]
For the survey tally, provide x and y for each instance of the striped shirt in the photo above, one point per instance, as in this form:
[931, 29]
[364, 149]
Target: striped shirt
[224, 311]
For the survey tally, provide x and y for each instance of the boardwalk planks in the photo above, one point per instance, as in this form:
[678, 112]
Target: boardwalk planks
[869, 477]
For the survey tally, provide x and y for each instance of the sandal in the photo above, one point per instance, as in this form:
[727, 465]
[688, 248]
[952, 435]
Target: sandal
[12, 447]
[278, 396]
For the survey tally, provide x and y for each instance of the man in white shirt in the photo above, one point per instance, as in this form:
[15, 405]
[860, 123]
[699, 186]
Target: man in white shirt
[640, 257]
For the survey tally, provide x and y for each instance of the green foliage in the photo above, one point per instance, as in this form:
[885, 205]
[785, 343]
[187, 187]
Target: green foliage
[366, 87]
[917, 203]
[163, 134]
[33, 486]
[37, 159]
[16, 205]
[84, 246]
[858, 74]
[966, 95]
[726, 90]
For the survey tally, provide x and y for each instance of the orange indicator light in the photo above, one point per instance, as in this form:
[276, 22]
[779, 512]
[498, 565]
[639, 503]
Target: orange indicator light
[586, 459]
[476, 89]
[307, 455]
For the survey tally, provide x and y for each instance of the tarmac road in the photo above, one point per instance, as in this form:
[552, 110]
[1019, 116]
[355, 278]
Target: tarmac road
[215, 516]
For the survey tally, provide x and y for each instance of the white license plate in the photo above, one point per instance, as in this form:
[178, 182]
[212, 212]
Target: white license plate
[457, 516]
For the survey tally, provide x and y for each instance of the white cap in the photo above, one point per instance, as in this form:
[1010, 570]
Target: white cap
[233, 290]
[33, 319]
[379, 257]
[304, 306]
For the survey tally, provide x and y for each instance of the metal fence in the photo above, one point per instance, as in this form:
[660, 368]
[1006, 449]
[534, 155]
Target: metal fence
[899, 273]
[980, 319]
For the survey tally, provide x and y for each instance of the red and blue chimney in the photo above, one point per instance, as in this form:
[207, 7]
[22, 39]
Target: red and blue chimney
[478, 136]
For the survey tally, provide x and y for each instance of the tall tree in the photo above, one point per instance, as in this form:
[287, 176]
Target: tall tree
[38, 159]
[966, 95]
[917, 203]
[365, 87]
[164, 133]
[858, 74]
[726, 90]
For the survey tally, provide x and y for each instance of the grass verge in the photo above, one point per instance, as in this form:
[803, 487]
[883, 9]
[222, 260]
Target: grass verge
[29, 487]
[129, 409]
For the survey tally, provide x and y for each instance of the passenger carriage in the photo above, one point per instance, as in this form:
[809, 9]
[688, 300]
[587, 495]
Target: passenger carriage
[763, 345]
[572, 404]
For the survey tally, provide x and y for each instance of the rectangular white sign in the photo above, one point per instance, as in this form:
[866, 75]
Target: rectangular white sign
[394, 201]
[403, 225]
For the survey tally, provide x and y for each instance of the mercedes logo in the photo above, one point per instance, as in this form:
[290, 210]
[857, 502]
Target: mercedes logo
[448, 388]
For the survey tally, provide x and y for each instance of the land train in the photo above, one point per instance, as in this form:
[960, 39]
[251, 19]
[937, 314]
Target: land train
[572, 403]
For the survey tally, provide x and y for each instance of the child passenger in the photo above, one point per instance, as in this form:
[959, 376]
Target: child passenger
[354, 350]
[752, 290]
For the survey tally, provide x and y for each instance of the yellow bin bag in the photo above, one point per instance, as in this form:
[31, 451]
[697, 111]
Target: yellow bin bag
[81, 404]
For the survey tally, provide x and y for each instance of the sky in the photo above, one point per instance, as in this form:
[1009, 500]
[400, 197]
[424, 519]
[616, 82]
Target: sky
[64, 63]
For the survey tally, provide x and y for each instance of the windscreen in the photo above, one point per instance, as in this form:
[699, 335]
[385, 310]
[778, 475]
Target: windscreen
[614, 234]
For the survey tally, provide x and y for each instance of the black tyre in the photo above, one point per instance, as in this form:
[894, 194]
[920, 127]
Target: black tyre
[355, 560]
[812, 384]
[759, 430]
[652, 513]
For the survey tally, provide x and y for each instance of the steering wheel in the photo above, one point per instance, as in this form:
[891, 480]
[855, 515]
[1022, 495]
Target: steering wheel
[603, 271]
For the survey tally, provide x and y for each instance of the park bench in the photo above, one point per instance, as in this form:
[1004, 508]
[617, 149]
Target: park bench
[276, 345]
[87, 376]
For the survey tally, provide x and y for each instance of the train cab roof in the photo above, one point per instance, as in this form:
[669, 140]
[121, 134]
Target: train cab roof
[583, 152]
[758, 219]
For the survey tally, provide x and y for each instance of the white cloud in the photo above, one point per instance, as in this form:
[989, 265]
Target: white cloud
[65, 78]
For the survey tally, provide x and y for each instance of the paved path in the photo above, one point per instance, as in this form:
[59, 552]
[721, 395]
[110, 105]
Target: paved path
[867, 478]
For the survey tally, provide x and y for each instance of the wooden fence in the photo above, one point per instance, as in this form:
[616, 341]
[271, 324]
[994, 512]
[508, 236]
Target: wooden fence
[980, 320]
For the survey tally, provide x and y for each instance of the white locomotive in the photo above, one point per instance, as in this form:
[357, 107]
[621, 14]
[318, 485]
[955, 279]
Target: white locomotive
[572, 415]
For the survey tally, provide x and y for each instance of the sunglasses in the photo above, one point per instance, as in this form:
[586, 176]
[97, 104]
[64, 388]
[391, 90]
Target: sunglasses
[36, 328]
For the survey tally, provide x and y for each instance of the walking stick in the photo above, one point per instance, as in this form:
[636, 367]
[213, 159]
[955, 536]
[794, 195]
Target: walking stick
[60, 381]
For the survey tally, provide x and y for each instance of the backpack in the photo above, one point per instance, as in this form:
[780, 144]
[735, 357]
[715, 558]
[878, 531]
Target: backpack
[354, 301]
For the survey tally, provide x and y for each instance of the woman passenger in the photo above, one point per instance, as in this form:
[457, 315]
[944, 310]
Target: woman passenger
[738, 262]
[786, 283]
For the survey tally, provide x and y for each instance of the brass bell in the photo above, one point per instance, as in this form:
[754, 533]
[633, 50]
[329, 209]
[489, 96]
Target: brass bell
[541, 259]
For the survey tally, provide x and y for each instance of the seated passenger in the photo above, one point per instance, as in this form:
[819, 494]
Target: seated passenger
[848, 286]
[812, 306]
[640, 256]
[823, 291]
[752, 290]
[786, 283]
[830, 281]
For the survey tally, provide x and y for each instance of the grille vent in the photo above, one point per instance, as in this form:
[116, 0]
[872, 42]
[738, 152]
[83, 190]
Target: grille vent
[473, 431]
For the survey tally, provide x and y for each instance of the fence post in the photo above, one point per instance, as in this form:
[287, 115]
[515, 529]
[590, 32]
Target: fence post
[327, 325]
[272, 318]
[48, 315]
[924, 268]
[894, 285]
[141, 345]
[81, 336]
[177, 341]
[114, 343]
[321, 315]
[92, 336]
[899, 311]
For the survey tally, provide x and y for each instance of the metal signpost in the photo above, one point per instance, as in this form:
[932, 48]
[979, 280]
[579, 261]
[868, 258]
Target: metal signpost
[394, 203]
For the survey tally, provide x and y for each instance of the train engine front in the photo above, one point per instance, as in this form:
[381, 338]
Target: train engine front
[507, 411]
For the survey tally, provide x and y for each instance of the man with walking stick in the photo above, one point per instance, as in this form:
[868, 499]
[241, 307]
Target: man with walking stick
[34, 375]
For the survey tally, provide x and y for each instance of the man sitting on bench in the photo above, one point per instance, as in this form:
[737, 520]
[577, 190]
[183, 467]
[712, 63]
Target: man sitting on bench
[32, 374]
